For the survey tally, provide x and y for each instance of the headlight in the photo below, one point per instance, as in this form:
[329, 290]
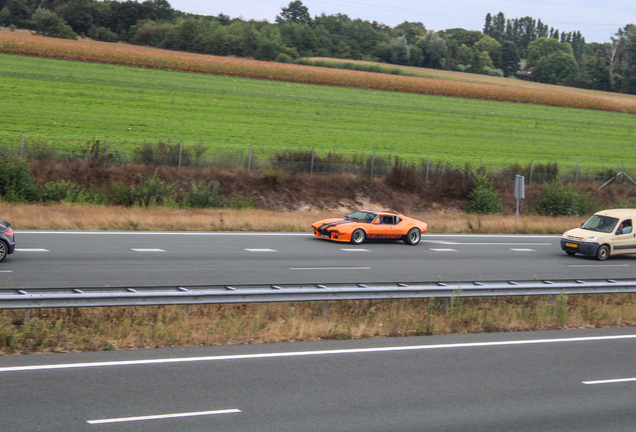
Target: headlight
[565, 235]
[591, 239]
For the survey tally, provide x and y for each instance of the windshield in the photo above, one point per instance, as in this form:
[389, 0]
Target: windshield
[359, 216]
[604, 224]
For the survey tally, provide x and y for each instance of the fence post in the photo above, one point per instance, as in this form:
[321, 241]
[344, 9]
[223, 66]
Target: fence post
[372, 164]
[578, 167]
[428, 165]
[21, 146]
[180, 150]
[531, 170]
[311, 167]
[481, 163]
[105, 151]
[249, 159]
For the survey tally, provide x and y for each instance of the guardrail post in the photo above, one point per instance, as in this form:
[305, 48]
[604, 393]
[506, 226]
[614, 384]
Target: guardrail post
[578, 167]
[187, 311]
[105, 151]
[21, 146]
[446, 306]
[180, 151]
[26, 317]
[249, 159]
[325, 306]
[372, 164]
[552, 300]
[311, 167]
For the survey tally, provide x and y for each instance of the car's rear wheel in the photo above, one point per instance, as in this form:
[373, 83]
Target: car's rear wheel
[358, 236]
[413, 236]
[570, 253]
[4, 250]
[603, 253]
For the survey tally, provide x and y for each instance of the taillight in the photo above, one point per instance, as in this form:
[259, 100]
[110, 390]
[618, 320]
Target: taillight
[9, 232]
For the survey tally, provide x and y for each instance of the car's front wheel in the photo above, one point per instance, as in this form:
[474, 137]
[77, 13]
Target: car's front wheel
[413, 237]
[603, 253]
[4, 250]
[358, 236]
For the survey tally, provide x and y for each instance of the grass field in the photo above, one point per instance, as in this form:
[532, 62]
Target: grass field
[70, 104]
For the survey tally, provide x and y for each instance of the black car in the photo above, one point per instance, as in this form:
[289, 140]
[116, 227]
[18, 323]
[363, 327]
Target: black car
[7, 240]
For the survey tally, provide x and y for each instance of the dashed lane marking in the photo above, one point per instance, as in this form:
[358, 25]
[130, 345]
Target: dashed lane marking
[522, 250]
[32, 250]
[355, 250]
[444, 250]
[260, 250]
[330, 268]
[147, 250]
[163, 416]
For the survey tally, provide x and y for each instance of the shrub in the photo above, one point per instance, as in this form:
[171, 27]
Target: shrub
[16, 183]
[484, 198]
[149, 192]
[64, 190]
[203, 195]
[240, 202]
[556, 199]
[404, 176]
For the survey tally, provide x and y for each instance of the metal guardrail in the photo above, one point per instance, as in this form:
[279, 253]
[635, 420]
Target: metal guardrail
[33, 298]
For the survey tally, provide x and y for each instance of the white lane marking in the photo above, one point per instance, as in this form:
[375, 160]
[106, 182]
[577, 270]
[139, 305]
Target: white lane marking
[260, 250]
[522, 250]
[610, 381]
[163, 416]
[499, 244]
[598, 265]
[225, 233]
[6, 271]
[32, 250]
[443, 242]
[147, 250]
[330, 268]
[314, 353]
[355, 250]
[444, 250]
[168, 233]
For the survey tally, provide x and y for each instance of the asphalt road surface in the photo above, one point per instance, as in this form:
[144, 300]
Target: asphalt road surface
[132, 258]
[573, 380]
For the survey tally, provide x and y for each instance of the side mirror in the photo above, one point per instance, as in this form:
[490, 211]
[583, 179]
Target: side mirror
[582, 224]
[376, 222]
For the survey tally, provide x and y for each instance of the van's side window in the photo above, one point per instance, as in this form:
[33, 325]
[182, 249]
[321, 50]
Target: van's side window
[625, 227]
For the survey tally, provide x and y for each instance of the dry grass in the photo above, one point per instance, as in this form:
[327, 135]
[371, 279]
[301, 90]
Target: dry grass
[129, 55]
[69, 216]
[95, 329]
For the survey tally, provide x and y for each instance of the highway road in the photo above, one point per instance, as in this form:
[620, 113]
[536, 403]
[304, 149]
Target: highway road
[572, 380]
[109, 258]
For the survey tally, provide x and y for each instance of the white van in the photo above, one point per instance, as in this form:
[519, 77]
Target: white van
[606, 233]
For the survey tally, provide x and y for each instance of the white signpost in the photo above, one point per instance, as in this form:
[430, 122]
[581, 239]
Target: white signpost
[520, 192]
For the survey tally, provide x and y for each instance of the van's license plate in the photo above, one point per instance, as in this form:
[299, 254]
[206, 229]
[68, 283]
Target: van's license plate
[572, 245]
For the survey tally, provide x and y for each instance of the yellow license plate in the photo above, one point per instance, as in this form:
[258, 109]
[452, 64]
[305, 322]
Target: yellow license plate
[572, 245]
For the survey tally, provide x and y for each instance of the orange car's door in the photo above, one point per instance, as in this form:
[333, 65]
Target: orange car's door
[385, 227]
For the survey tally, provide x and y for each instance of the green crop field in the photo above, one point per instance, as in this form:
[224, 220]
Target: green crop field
[71, 104]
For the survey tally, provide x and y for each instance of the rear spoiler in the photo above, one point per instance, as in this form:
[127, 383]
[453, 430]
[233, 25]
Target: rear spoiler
[5, 223]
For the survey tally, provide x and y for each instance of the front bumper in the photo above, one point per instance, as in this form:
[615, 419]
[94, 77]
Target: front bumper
[580, 247]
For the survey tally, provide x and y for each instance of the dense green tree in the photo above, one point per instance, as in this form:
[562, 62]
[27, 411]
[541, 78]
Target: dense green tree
[79, 15]
[16, 12]
[295, 12]
[595, 74]
[557, 68]
[434, 49]
[509, 58]
[492, 47]
[627, 42]
[543, 47]
[46, 23]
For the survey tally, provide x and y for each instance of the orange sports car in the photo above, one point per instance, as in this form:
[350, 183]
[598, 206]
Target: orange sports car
[361, 225]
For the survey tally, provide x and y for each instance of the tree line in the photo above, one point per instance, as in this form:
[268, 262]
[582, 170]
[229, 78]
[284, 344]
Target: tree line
[523, 48]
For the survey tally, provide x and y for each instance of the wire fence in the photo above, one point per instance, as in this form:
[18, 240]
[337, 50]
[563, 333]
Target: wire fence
[298, 161]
